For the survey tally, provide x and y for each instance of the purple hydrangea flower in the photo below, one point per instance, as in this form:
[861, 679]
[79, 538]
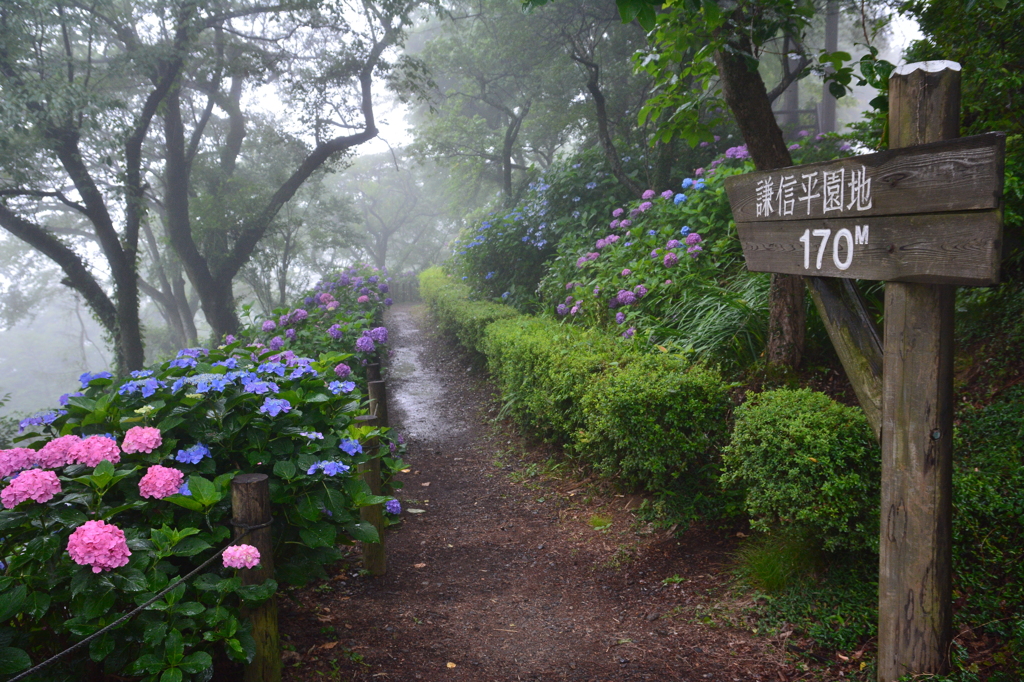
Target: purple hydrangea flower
[393, 507]
[298, 315]
[276, 343]
[269, 325]
[383, 288]
[640, 290]
[364, 344]
[290, 334]
[644, 206]
[673, 244]
[562, 310]
[378, 334]
[694, 250]
[693, 238]
[670, 259]
[620, 318]
[388, 301]
[626, 272]
[648, 194]
[625, 297]
[334, 331]
[628, 334]
[667, 194]
[342, 370]
[617, 213]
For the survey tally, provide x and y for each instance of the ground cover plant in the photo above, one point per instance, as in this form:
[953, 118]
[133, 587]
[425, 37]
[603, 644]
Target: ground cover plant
[126, 487]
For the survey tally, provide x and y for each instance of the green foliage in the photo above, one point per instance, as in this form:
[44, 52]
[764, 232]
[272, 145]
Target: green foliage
[988, 508]
[987, 41]
[809, 465]
[772, 564]
[544, 370]
[655, 420]
[456, 315]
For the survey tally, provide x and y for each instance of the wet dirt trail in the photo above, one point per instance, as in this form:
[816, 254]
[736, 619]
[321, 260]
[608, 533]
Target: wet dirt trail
[501, 581]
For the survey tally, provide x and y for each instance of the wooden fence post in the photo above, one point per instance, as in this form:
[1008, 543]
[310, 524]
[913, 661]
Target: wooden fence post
[374, 559]
[250, 506]
[914, 591]
[373, 372]
[379, 402]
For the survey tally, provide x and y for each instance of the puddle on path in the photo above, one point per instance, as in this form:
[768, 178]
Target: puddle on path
[419, 394]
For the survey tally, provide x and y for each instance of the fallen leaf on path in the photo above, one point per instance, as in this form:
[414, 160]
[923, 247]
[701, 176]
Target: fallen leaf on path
[419, 565]
[425, 484]
[450, 664]
[416, 511]
[405, 471]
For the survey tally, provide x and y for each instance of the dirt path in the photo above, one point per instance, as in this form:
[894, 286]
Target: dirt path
[498, 580]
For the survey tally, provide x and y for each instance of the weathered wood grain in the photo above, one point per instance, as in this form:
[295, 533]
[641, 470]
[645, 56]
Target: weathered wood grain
[374, 557]
[915, 546]
[959, 175]
[950, 248]
[250, 506]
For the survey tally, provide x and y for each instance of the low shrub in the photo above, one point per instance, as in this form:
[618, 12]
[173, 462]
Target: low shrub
[654, 420]
[544, 368]
[456, 314]
[807, 464]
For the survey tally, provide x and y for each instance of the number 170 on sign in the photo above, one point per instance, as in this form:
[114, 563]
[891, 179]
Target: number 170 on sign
[858, 236]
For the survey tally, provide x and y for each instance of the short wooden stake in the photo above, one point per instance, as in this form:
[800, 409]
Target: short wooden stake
[373, 371]
[374, 560]
[915, 569]
[379, 402]
[250, 506]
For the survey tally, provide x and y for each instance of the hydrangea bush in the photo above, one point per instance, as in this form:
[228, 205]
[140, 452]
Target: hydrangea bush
[126, 488]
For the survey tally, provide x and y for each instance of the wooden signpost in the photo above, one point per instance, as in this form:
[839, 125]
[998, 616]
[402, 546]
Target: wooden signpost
[923, 217]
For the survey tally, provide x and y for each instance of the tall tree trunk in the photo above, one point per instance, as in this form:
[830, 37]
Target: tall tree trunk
[747, 97]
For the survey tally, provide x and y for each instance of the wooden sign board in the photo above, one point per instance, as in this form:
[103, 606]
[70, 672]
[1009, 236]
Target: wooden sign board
[929, 213]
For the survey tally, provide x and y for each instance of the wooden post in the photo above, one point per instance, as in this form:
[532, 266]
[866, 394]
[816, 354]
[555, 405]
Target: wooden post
[250, 506]
[379, 402]
[373, 371]
[374, 559]
[914, 591]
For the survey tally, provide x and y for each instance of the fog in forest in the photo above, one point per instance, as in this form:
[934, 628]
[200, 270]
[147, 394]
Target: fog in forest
[396, 201]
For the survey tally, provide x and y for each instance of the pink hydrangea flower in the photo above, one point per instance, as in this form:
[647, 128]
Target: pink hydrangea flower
[614, 224]
[14, 460]
[342, 370]
[35, 484]
[363, 299]
[644, 206]
[241, 556]
[98, 544]
[333, 305]
[648, 194]
[160, 482]
[94, 449]
[142, 439]
[667, 194]
[57, 452]
[699, 172]
[626, 272]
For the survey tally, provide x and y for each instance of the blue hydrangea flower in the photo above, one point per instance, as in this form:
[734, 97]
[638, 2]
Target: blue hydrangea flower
[328, 467]
[275, 406]
[230, 363]
[86, 377]
[489, 275]
[303, 370]
[505, 295]
[183, 363]
[261, 387]
[193, 455]
[312, 435]
[684, 230]
[687, 183]
[651, 233]
[680, 198]
[183, 490]
[352, 447]
[272, 368]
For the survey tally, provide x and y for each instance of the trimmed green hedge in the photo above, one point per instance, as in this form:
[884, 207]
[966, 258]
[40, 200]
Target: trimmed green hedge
[655, 420]
[449, 300]
[644, 419]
